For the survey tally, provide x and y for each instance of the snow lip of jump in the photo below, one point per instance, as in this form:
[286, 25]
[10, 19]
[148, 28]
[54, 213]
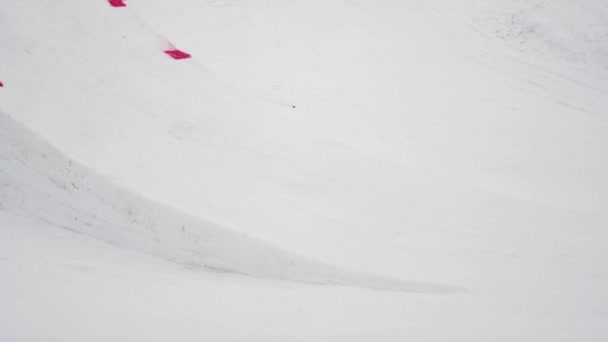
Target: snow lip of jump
[38, 181]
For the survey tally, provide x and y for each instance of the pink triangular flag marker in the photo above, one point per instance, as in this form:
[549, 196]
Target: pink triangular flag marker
[1, 84]
[177, 54]
[117, 3]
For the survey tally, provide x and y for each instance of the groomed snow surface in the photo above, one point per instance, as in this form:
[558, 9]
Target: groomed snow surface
[323, 170]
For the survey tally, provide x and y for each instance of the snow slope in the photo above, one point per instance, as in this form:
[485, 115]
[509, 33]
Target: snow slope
[62, 286]
[448, 144]
[38, 182]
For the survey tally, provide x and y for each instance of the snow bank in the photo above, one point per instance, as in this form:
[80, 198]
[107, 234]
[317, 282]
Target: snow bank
[38, 181]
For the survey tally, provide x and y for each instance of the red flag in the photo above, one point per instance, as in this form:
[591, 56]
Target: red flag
[117, 3]
[177, 54]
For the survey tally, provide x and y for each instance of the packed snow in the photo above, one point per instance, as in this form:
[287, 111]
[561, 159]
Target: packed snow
[304, 170]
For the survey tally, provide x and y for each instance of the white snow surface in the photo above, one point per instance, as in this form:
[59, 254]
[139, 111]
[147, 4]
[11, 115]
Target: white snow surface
[38, 182]
[318, 171]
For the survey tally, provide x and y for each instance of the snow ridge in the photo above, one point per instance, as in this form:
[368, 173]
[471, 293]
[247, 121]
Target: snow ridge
[38, 181]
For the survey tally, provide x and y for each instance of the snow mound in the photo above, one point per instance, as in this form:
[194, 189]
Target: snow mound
[38, 181]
